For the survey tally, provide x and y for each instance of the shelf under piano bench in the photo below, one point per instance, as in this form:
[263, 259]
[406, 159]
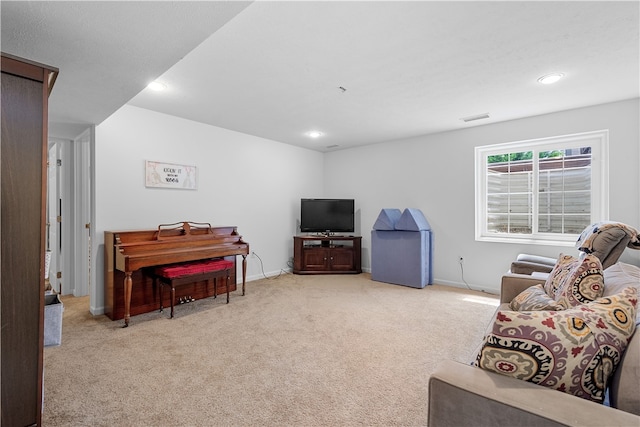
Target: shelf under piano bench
[190, 272]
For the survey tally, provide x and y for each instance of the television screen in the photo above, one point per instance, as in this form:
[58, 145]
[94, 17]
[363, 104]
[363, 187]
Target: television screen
[327, 215]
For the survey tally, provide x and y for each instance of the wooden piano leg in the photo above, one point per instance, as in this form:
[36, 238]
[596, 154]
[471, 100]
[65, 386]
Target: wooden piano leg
[244, 271]
[127, 297]
[173, 297]
[155, 280]
[228, 283]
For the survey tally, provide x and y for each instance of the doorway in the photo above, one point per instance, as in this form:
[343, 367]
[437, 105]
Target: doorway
[69, 215]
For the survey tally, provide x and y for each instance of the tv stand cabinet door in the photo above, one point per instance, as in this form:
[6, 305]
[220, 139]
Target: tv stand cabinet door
[316, 259]
[341, 259]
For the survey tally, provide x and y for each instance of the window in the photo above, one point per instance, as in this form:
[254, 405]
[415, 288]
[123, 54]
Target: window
[541, 191]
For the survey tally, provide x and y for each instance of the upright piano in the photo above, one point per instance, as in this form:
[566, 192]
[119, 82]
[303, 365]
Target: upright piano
[128, 254]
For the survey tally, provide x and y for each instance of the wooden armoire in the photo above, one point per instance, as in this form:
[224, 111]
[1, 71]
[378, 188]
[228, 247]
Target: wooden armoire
[23, 161]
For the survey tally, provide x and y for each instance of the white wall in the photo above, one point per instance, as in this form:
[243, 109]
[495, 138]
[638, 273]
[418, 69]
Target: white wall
[435, 173]
[253, 183]
[257, 184]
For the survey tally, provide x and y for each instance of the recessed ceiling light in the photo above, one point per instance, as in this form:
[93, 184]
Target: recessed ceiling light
[314, 134]
[157, 86]
[550, 78]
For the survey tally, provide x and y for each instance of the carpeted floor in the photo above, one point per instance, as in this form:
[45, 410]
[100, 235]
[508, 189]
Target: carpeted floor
[330, 350]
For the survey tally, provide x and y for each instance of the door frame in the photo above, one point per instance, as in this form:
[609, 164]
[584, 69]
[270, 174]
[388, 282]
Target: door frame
[74, 202]
[82, 184]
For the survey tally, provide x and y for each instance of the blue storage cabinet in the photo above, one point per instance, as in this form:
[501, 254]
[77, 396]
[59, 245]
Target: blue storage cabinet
[402, 248]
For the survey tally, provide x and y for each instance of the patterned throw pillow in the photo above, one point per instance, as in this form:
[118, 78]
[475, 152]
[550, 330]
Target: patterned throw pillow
[575, 281]
[620, 276]
[534, 298]
[574, 351]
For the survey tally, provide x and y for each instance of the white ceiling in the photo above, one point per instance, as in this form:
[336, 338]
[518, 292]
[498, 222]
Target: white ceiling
[106, 51]
[274, 69]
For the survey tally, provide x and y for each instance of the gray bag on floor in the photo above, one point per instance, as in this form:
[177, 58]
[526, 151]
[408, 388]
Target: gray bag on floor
[53, 309]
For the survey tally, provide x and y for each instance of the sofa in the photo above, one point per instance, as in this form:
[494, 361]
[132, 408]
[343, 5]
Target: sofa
[605, 239]
[465, 395]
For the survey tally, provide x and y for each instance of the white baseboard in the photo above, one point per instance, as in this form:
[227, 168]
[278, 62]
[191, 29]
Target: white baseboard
[269, 275]
[96, 311]
[469, 286]
[462, 285]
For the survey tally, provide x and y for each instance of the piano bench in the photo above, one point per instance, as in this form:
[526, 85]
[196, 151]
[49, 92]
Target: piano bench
[190, 272]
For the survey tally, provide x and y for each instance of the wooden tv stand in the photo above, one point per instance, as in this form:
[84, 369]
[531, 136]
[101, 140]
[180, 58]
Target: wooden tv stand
[327, 254]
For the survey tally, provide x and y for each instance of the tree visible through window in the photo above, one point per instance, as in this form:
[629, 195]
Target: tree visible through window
[540, 190]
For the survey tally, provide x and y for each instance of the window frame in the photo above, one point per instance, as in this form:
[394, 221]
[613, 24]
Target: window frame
[599, 143]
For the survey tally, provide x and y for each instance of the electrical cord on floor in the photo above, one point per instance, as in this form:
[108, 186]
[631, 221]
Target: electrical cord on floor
[462, 274]
[262, 268]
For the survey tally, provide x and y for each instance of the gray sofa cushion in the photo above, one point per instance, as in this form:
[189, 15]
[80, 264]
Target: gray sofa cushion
[462, 395]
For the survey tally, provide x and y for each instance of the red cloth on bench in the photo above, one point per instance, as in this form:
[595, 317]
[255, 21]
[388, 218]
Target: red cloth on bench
[191, 268]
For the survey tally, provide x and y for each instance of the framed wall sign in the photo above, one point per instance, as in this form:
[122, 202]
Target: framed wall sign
[169, 175]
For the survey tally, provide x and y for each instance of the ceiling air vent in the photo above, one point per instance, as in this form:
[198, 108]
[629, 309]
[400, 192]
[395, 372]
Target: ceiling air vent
[333, 146]
[477, 117]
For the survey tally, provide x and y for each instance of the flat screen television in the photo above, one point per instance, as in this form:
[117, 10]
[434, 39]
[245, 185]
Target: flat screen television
[327, 215]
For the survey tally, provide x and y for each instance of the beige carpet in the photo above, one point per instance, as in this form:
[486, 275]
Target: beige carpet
[333, 350]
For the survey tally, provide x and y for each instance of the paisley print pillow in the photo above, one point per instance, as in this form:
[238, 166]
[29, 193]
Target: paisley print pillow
[575, 281]
[534, 298]
[574, 351]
